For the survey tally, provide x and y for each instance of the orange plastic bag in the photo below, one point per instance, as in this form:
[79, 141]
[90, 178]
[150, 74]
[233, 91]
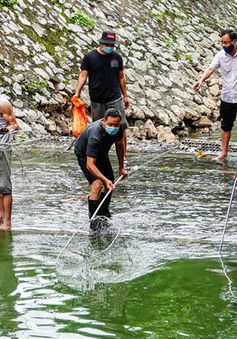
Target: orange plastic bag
[79, 121]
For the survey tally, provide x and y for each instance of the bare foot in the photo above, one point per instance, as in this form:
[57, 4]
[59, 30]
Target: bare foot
[5, 228]
[222, 157]
[6, 225]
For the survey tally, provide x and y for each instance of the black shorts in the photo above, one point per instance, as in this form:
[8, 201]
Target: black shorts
[104, 166]
[228, 115]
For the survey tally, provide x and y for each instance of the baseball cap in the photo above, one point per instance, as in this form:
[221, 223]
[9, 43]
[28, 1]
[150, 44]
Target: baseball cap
[108, 38]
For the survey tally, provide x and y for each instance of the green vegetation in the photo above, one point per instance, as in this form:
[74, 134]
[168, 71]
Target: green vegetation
[202, 18]
[160, 16]
[169, 43]
[82, 19]
[34, 85]
[119, 24]
[48, 44]
[188, 57]
[8, 3]
[56, 2]
[21, 136]
[135, 27]
[177, 55]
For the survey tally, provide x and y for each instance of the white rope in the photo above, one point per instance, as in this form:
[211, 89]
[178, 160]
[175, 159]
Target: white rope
[229, 281]
[25, 142]
[136, 168]
[115, 238]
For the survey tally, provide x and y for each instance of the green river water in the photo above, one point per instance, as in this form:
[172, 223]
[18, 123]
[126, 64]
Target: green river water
[162, 276]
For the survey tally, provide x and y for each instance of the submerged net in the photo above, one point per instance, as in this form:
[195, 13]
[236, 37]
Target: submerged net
[207, 146]
[94, 257]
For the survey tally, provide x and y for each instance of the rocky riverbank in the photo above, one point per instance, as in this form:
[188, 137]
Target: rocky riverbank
[165, 46]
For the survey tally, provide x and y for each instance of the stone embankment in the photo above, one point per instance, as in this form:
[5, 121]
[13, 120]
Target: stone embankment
[165, 45]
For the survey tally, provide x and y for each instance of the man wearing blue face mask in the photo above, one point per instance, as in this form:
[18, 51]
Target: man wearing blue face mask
[226, 60]
[107, 85]
[92, 151]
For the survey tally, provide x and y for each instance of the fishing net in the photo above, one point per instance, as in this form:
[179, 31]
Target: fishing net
[94, 257]
[207, 146]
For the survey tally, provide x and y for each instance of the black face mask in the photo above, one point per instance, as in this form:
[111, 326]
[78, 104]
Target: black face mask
[229, 49]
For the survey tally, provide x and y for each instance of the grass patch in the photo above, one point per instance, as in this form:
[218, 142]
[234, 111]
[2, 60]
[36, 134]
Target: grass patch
[82, 19]
[34, 86]
[169, 43]
[8, 3]
[188, 57]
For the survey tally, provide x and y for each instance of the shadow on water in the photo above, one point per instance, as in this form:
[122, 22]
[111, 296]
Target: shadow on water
[161, 278]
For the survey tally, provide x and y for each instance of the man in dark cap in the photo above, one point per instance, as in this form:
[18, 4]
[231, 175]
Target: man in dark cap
[107, 85]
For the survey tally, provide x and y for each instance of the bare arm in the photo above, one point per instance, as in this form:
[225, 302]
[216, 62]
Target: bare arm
[8, 115]
[206, 74]
[120, 155]
[90, 165]
[81, 82]
[123, 87]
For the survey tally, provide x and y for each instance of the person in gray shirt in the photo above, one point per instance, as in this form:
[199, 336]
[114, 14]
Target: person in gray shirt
[226, 60]
[92, 150]
[8, 124]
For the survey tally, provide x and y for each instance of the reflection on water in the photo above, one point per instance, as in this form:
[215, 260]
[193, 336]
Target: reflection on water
[8, 284]
[160, 278]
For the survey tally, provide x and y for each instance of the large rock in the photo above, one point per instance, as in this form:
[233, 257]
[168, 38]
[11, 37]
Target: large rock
[192, 115]
[203, 122]
[150, 129]
[165, 134]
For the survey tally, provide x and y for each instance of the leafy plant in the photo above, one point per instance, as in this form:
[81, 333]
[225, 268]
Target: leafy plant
[34, 85]
[177, 55]
[160, 16]
[169, 43]
[82, 19]
[119, 24]
[135, 26]
[188, 57]
[21, 137]
[8, 3]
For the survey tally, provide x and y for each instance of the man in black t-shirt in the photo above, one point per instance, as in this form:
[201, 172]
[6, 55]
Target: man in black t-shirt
[92, 151]
[107, 85]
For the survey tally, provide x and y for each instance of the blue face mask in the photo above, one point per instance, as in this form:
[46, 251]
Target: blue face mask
[228, 49]
[107, 50]
[111, 130]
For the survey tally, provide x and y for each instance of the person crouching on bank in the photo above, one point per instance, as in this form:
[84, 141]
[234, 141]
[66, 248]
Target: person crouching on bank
[92, 151]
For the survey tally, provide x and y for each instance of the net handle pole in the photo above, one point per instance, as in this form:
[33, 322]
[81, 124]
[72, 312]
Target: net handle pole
[227, 215]
[80, 226]
[105, 197]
